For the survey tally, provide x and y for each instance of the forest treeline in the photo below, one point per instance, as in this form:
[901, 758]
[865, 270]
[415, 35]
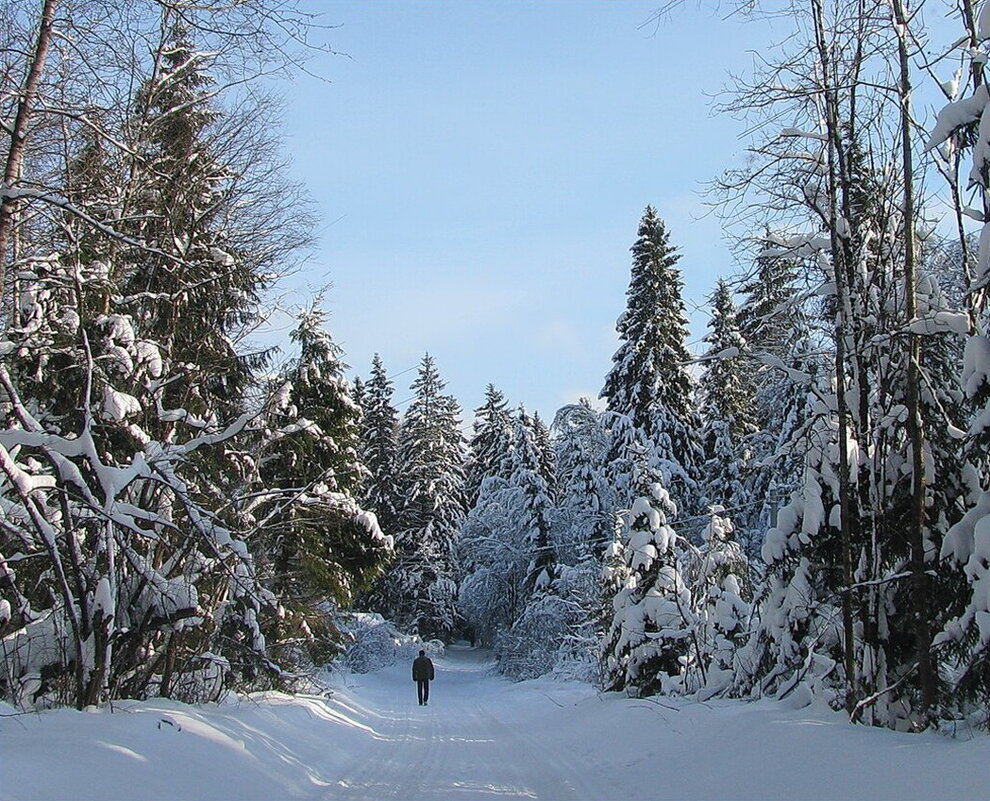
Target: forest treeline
[801, 510]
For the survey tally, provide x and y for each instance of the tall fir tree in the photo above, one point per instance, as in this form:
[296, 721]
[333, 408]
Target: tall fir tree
[357, 391]
[726, 407]
[768, 314]
[182, 209]
[546, 455]
[723, 394]
[490, 444]
[649, 380]
[318, 544]
[773, 323]
[420, 591]
[382, 492]
[535, 513]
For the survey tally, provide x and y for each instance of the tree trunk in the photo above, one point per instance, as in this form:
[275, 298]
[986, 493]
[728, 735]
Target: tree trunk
[919, 577]
[165, 691]
[18, 138]
[975, 301]
[839, 271]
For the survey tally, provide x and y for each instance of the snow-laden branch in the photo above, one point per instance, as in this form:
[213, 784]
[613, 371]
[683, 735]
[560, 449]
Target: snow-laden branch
[11, 193]
[957, 114]
[798, 133]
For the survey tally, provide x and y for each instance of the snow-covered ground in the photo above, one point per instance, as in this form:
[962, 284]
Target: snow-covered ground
[481, 737]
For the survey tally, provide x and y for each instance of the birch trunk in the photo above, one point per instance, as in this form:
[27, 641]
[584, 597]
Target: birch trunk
[18, 136]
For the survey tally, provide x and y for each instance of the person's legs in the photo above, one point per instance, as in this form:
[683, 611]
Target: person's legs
[426, 692]
[422, 691]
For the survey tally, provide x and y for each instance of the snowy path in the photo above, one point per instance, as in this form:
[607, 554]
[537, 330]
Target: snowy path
[462, 746]
[482, 738]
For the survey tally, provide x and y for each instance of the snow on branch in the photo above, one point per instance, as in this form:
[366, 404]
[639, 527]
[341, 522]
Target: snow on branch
[957, 114]
[798, 133]
[8, 192]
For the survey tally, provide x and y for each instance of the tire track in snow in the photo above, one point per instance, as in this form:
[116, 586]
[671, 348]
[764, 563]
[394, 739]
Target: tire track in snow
[393, 765]
[530, 762]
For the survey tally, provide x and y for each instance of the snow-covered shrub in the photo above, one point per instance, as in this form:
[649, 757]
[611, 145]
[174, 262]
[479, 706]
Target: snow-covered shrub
[207, 680]
[530, 648]
[377, 643]
[31, 663]
[577, 657]
[721, 585]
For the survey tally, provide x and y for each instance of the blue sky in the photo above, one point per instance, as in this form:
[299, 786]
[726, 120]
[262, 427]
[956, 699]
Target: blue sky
[480, 168]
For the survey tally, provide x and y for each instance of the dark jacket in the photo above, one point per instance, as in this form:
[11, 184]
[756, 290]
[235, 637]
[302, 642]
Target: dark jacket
[422, 669]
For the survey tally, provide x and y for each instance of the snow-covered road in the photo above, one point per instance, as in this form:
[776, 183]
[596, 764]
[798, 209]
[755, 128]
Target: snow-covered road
[462, 746]
[482, 737]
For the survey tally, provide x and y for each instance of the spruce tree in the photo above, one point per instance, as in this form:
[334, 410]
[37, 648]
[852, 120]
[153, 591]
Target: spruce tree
[649, 380]
[774, 323]
[726, 407]
[420, 591]
[318, 544]
[771, 322]
[584, 508]
[723, 394]
[357, 391]
[380, 449]
[183, 211]
[647, 646]
[546, 455]
[768, 315]
[534, 514]
[193, 285]
[490, 444]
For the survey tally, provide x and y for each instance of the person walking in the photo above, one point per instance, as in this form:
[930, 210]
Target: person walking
[422, 673]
